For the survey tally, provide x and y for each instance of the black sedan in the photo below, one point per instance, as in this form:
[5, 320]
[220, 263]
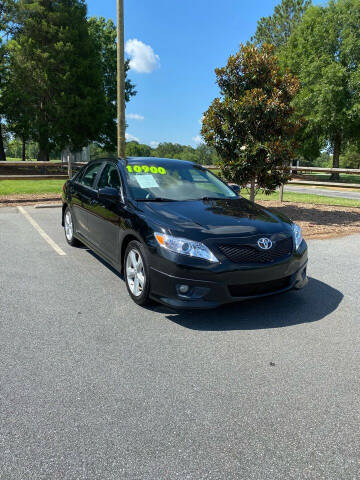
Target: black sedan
[180, 235]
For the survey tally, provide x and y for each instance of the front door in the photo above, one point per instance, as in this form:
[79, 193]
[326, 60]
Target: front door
[107, 215]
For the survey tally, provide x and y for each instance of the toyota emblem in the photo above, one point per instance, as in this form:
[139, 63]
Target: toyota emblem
[265, 243]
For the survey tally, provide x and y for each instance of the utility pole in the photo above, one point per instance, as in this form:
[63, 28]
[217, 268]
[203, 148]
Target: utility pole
[120, 80]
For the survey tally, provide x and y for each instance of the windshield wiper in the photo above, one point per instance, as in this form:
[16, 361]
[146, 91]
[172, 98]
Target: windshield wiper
[157, 199]
[206, 199]
[211, 198]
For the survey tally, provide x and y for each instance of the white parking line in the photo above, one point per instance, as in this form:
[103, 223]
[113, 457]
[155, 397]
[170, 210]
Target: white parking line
[44, 235]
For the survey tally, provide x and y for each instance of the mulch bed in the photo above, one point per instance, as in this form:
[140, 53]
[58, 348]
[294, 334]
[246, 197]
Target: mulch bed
[317, 221]
[320, 221]
[28, 199]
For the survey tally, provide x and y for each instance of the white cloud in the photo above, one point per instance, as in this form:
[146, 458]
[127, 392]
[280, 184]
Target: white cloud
[131, 138]
[154, 144]
[143, 57]
[135, 116]
[198, 139]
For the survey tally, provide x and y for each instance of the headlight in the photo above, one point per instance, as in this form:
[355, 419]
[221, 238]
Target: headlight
[183, 246]
[298, 238]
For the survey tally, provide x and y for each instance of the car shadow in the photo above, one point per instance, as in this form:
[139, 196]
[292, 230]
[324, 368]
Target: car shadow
[313, 303]
[316, 301]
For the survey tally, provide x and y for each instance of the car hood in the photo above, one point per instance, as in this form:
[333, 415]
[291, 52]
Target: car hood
[220, 217]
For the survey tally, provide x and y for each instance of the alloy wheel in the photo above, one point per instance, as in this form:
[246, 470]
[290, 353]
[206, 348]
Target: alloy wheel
[135, 273]
[69, 230]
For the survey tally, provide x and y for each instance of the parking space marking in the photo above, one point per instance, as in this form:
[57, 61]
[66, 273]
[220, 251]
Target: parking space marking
[44, 235]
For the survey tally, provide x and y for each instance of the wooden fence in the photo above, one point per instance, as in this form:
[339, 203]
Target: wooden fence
[319, 183]
[36, 166]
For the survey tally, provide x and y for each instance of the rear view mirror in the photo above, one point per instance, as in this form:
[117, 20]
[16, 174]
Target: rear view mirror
[109, 193]
[235, 188]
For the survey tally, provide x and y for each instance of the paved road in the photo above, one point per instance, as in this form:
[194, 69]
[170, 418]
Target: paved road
[94, 387]
[324, 191]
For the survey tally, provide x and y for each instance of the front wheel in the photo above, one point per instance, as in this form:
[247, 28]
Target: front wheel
[69, 229]
[137, 273]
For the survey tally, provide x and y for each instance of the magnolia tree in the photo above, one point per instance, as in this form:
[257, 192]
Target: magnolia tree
[252, 125]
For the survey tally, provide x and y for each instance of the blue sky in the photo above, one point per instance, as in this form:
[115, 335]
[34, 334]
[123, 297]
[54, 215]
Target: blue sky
[188, 39]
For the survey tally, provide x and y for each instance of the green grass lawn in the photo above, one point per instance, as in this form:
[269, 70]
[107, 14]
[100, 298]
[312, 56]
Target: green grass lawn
[344, 177]
[19, 187]
[13, 159]
[308, 198]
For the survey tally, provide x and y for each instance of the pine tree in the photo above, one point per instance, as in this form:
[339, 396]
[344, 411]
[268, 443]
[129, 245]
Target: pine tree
[55, 75]
[277, 28]
[7, 27]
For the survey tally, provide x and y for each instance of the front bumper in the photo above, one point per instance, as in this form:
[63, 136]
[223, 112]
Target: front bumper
[212, 289]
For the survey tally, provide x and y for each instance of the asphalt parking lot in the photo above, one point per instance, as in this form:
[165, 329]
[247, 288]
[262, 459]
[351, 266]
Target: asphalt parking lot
[94, 387]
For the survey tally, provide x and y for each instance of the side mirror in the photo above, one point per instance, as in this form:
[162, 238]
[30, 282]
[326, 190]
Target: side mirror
[109, 193]
[235, 188]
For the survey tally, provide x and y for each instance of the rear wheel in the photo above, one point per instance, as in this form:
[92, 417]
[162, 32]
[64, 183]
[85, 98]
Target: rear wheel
[136, 272]
[69, 229]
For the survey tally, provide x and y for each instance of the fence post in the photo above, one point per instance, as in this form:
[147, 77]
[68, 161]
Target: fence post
[69, 166]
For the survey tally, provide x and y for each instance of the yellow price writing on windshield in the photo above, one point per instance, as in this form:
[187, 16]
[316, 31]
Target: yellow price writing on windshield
[146, 169]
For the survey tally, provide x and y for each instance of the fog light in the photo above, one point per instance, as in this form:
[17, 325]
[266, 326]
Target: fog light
[183, 289]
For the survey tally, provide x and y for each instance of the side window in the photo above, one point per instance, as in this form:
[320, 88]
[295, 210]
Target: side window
[79, 175]
[110, 178]
[90, 174]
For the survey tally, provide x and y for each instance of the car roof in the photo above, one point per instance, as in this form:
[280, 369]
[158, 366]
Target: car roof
[149, 160]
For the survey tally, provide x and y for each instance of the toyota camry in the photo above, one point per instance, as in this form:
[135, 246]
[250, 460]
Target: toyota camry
[181, 236]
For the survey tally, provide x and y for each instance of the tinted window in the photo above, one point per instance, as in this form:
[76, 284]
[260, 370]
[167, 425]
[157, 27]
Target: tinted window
[110, 177]
[90, 174]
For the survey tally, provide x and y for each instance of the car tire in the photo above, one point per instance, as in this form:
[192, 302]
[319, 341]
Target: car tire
[69, 229]
[136, 273]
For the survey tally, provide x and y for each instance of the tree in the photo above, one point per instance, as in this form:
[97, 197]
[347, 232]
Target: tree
[18, 114]
[351, 157]
[206, 155]
[103, 34]
[135, 149]
[169, 150]
[62, 90]
[324, 51]
[277, 28]
[251, 126]
[324, 160]
[7, 26]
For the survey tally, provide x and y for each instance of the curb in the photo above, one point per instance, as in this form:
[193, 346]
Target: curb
[48, 206]
[10, 201]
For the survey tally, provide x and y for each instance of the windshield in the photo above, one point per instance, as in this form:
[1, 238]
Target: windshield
[174, 181]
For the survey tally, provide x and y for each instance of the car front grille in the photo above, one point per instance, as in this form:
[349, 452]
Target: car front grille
[249, 254]
[253, 289]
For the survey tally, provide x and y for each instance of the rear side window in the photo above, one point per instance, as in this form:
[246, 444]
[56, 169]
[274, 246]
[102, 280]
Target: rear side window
[88, 179]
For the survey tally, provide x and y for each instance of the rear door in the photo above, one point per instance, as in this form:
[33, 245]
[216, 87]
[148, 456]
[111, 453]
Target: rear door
[83, 198]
